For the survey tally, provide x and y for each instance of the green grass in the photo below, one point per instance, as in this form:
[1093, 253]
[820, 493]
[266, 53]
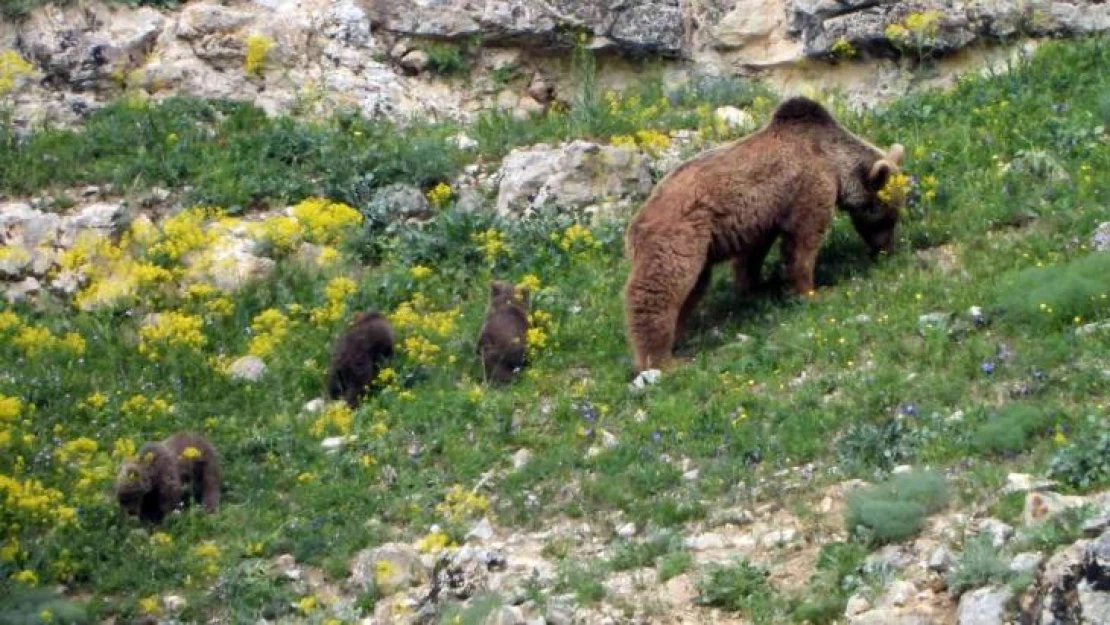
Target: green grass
[739, 587]
[737, 410]
[1010, 430]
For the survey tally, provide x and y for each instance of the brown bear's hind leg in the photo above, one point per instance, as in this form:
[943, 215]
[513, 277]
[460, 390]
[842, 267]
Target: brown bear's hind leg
[747, 266]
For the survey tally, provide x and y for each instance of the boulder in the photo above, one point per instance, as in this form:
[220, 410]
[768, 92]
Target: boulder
[576, 175]
[387, 569]
[984, 606]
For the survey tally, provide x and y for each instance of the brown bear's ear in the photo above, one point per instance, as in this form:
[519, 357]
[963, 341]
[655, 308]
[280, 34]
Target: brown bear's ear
[895, 154]
[498, 288]
[880, 172]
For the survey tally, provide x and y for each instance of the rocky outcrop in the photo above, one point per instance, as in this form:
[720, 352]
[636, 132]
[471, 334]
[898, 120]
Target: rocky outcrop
[578, 175]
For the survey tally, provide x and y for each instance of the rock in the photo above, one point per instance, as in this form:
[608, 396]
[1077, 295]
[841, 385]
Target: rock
[940, 560]
[1096, 525]
[505, 615]
[401, 201]
[628, 530]
[540, 90]
[734, 118]
[998, 531]
[691, 475]
[747, 22]
[1026, 563]
[315, 405]
[887, 559]
[415, 62]
[733, 516]
[1022, 483]
[335, 443]
[898, 594]
[104, 218]
[1100, 240]
[521, 458]
[21, 225]
[984, 606]
[247, 368]
[388, 569]
[464, 142]
[22, 291]
[647, 378]
[900, 469]
[705, 542]
[174, 603]
[1094, 602]
[857, 604]
[892, 616]
[576, 175]
[481, 532]
[286, 564]
[933, 320]
[1040, 507]
[779, 538]
[348, 24]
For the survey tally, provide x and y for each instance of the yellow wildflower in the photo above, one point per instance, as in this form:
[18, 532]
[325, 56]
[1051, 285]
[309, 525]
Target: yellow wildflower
[8, 320]
[460, 503]
[258, 47]
[325, 221]
[433, 543]
[207, 550]
[270, 328]
[161, 539]
[307, 604]
[12, 68]
[440, 195]
[150, 606]
[530, 282]
[190, 453]
[10, 407]
[26, 577]
[337, 417]
[896, 190]
[171, 330]
[419, 272]
[492, 244]
[577, 238]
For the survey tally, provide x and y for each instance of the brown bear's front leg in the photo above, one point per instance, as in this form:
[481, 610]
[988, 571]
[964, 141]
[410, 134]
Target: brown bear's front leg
[692, 301]
[664, 274]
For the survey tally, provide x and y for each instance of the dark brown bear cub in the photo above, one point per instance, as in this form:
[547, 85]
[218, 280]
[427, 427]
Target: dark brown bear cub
[502, 341]
[359, 355]
[155, 483]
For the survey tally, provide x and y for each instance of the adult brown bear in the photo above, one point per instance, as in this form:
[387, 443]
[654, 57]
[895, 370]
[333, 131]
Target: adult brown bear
[733, 202]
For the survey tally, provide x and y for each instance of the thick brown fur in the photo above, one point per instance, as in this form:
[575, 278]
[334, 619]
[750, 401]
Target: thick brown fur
[358, 356]
[502, 341]
[733, 202]
[162, 477]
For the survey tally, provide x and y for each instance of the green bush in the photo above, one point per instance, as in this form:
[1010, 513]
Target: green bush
[1055, 296]
[633, 555]
[835, 579]
[31, 606]
[446, 59]
[738, 587]
[896, 509]
[1010, 431]
[979, 565]
[1084, 462]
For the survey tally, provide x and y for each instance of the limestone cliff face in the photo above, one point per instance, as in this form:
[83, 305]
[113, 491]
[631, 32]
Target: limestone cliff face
[380, 56]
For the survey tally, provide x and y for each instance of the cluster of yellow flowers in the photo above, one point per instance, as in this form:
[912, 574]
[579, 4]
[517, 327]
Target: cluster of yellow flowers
[35, 341]
[325, 221]
[492, 244]
[27, 503]
[651, 141]
[336, 418]
[12, 68]
[143, 408]
[170, 331]
[896, 190]
[335, 300]
[426, 328]
[258, 47]
[440, 195]
[181, 233]
[270, 327]
[916, 28]
[632, 108]
[435, 542]
[208, 554]
[460, 504]
[576, 238]
[540, 324]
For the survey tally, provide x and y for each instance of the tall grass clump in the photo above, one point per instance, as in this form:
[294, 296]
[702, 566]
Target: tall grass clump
[1010, 431]
[739, 587]
[896, 509]
[1060, 295]
[979, 565]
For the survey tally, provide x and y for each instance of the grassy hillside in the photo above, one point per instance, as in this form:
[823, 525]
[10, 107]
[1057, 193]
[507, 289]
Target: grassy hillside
[1011, 181]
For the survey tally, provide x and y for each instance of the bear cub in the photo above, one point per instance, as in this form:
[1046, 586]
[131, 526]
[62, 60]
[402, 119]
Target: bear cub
[502, 341]
[359, 355]
[164, 474]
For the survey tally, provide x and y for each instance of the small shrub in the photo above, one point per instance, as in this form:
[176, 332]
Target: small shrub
[1056, 296]
[673, 564]
[633, 555]
[1083, 462]
[979, 565]
[835, 579]
[896, 509]
[446, 59]
[1010, 430]
[881, 446]
[738, 587]
[583, 581]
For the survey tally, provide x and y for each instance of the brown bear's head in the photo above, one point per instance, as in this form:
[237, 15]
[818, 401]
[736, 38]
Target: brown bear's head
[503, 294]
[131, 484]
[875, 211]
